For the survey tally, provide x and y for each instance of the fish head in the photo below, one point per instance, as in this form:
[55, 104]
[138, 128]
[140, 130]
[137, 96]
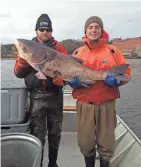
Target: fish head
[31, 51]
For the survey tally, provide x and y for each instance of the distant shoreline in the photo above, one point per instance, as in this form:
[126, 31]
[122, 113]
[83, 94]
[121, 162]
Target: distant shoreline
[8, 58]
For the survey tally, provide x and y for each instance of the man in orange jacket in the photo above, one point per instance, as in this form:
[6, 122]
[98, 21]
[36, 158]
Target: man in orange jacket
[46, 98]
[96, 104]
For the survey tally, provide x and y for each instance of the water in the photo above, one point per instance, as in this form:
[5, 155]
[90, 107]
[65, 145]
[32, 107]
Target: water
[128, 106]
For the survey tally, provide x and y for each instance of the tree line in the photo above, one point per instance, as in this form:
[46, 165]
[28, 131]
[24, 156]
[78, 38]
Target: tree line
[69, 44]
[10, 50]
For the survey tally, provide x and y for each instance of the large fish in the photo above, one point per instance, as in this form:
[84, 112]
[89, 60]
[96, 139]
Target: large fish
[49, 62]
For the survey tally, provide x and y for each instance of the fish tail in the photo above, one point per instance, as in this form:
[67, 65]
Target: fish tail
[123, 78]
[118, 72]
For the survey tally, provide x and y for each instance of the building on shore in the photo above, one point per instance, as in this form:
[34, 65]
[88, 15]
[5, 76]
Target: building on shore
[126, 46]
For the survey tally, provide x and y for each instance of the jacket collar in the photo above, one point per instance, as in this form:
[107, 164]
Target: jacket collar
[52, 43]
[104, 38]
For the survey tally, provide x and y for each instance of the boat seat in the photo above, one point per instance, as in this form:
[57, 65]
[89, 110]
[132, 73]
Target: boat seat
[69, 108]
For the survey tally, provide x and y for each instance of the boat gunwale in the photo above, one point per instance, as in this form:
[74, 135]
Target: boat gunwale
[120, 120]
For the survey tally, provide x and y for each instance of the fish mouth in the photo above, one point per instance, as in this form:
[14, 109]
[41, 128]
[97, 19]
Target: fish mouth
[18, 46]
[17, 43]
[21, 53]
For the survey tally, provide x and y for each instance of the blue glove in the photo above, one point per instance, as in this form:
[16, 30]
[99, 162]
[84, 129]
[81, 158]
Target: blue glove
[111, 81]
[75, 83]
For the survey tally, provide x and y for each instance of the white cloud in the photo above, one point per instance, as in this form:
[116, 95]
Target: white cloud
[18, 18]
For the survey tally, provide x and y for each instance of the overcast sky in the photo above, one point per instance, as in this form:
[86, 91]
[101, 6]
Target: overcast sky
[18, 18]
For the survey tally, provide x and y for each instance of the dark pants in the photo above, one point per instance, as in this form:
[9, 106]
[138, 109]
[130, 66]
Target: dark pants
[47, 116]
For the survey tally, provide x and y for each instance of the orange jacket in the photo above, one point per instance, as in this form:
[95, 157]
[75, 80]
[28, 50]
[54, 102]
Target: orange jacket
[101, 57]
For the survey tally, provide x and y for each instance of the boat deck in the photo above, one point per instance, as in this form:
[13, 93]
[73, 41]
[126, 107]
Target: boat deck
[127, 153]
[69, 153]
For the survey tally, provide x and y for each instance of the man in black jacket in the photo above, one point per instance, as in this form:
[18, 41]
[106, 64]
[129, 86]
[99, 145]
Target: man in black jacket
[46, 97]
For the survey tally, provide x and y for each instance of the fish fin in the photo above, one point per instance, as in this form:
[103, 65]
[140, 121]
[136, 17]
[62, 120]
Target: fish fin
[40, 75]
[84, 85]
[123, 78]
[87, 84]
[118, 70]
[77, 59]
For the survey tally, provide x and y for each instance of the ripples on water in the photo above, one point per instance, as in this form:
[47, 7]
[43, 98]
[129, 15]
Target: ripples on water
[128, 106]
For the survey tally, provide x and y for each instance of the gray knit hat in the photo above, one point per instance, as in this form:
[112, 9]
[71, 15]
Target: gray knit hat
[93, 19]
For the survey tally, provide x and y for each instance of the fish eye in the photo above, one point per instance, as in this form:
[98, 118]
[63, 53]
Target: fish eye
[24, 49]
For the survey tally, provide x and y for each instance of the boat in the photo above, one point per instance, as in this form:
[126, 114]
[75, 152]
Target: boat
[20, 150]
[128, 145]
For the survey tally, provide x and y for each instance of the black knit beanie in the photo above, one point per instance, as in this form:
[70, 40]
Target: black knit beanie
[93, 19]
[43, 21]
